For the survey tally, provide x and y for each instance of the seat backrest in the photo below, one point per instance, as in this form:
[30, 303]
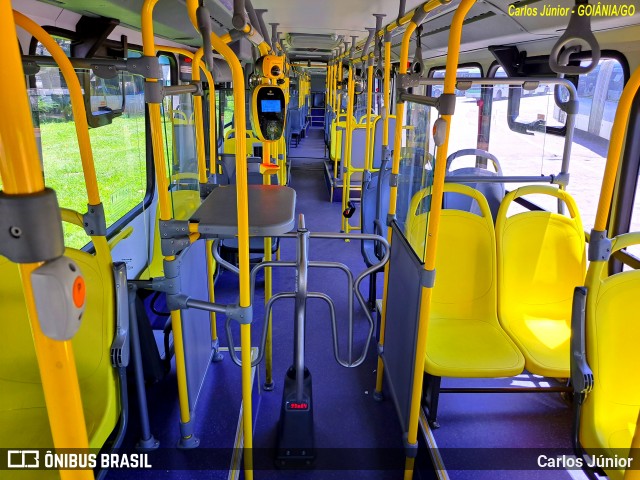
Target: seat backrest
[375, 196]
[492, 192]
[376, 141]
[19, 375]
[541, 258]
[295, 120]
[610, 411]
[466, 284]
[358, 147]
[227, 163]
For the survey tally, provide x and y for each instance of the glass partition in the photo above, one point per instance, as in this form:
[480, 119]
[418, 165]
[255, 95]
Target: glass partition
[119, 150]
[417, 161]
[181, 152]
[522, 128]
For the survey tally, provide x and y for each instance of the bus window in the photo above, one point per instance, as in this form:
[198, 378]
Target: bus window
[598, 95]
[119, 150]
[463, 71]
[64, 43]
[464, 125]
[635, 222]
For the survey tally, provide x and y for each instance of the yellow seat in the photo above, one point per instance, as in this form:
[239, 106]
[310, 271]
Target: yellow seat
[229, 145]
[23, 415]
[464, 337]
[610, 411]
[541, 259]
[340, 122]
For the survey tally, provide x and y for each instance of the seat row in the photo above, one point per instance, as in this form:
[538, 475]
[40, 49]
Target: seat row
[503, 296]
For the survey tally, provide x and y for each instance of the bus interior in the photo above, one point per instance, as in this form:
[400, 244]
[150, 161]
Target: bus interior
[427, 207]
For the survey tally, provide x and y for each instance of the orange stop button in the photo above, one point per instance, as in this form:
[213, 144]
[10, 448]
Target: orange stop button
[79, 292]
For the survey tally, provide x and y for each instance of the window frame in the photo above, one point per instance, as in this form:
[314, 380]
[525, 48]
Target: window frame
[148, 199]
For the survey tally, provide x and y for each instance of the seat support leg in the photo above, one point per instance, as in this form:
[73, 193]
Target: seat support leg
[372, 291]
[147, 441]
[432, 396]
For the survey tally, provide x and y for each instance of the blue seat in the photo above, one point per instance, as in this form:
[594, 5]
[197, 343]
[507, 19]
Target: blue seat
[295, 126]
[374, 206]
[493, 192]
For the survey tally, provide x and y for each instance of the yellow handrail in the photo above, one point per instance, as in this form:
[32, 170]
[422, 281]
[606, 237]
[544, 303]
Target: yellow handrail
[347, 142]
[21, 174]
[164, 204]
[455, 34]
[77, 102]
[243, 233]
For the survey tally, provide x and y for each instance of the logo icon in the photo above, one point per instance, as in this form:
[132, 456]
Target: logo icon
[23, 459]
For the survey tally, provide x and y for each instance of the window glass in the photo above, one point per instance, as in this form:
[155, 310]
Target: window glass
[119, 149]
[598, 95]
[63, 43]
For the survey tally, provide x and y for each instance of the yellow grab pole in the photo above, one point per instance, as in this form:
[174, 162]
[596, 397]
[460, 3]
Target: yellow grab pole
[268, 285]
[328, 86]
[346, 160]
[385, 145]
[616, 143]
[164, 204]
[334, 98]
[368, 161]
[77, 101]
[21, 175]
[431, 234]
[243, 233]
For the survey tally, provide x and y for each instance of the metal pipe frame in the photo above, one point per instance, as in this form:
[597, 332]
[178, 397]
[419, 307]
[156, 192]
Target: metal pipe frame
[21, 175]
[187, 439]
[353, 286]
[532, 81]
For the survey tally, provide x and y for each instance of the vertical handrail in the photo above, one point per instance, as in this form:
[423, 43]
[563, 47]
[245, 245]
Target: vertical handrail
[347, 142]
[268, 280]
[385, 148]
[455, 34]
[243, 233]
[199, 118]
[21, 175]
[148, 41]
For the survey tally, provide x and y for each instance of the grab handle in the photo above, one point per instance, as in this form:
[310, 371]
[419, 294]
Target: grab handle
[579, 29]
[204, 26]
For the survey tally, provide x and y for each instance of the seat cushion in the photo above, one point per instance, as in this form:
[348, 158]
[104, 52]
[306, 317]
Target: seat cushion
[470, 348]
